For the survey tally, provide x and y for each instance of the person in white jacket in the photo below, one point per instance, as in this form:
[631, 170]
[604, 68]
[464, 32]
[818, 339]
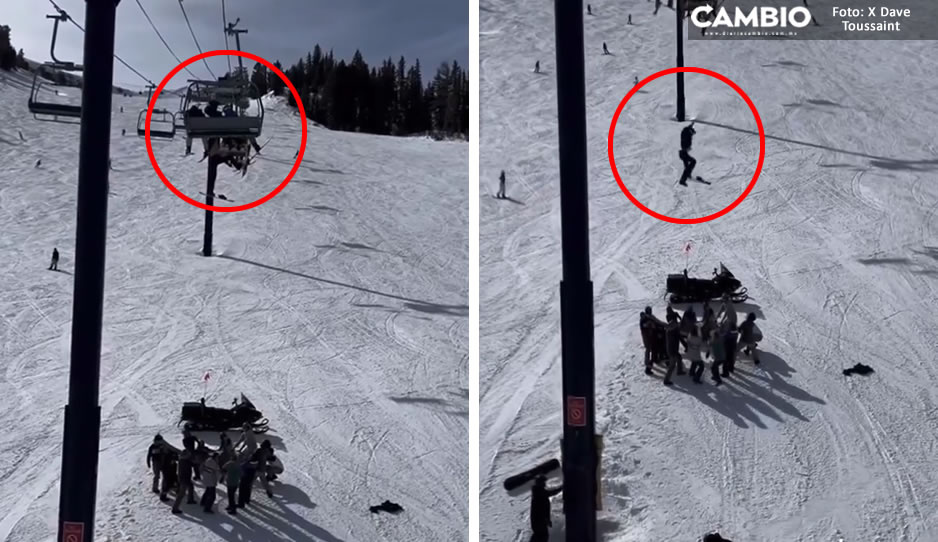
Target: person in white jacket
[693, 346]
[247, 440]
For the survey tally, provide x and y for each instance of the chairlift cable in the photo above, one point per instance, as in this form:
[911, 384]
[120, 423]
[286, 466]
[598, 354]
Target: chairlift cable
[145, 14]
[196, 40]
[119, 59]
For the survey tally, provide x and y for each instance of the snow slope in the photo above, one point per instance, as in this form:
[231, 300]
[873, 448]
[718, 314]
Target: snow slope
[838, 244]
[339, 308]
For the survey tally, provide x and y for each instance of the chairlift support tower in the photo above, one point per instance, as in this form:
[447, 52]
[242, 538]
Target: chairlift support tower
[81, 440]
[236, 91]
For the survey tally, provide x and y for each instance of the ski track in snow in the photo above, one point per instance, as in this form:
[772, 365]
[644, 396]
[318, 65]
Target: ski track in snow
[348, 328]
[836, 244]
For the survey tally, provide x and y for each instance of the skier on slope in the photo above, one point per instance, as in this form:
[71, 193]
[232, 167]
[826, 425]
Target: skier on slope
[540, 509]
[537, 66]
[606, 49]
[687, 136]
[501, 186]
[589, 9]
[54, 266]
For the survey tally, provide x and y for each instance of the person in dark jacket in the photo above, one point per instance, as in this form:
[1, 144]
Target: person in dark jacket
[54, 266]
[540, 509]
[211, 469]
[156, 455]
[649, 325]
[501, 186]
[197, 448]
[184, 472]
[747, 337]
[169, 471]
[673, 342]
[687, 136]
[211, 110]
[718, 353]
[232, 480]
[248, 472]
[729, 346]
[688, 321]
[262, 458]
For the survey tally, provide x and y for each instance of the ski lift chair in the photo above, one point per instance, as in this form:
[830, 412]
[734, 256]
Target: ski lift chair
[162, 124]
[243, 126]
[52, 111]
[229, 138]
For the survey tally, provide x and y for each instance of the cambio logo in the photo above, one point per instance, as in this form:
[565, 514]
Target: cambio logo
[761, 17]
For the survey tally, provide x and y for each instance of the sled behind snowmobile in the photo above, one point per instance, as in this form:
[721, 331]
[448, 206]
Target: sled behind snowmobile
[685, 289]
[199, 417]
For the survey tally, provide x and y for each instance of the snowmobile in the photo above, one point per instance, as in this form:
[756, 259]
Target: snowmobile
[199, 417]
[684, 289]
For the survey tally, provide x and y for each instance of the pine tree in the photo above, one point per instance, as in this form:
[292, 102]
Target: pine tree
[259, 78]
[276, 83]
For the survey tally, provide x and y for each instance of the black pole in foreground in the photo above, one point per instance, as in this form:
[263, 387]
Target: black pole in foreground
[680, 60]
[209, 200]
[576, 289]
[82, 413]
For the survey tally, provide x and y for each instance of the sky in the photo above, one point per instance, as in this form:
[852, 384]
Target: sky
[434, 31]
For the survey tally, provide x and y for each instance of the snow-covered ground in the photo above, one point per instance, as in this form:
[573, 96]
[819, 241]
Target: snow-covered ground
[339, 308]
[838, 245]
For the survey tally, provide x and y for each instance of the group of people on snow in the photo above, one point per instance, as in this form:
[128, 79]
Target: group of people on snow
[715, 335]
[235, 464]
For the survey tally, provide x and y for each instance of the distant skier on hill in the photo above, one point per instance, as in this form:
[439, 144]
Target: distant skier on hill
[537, 66]
[589, 9]
[501, 186]
[687, 136]
[630, 18]
[54, 266]
[605, 49]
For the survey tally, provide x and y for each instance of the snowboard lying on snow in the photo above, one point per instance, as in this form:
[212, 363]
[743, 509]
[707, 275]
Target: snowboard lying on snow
[520, 479]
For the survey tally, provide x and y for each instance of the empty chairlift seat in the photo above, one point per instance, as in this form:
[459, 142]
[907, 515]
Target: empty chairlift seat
[162, 124]
[46, 101]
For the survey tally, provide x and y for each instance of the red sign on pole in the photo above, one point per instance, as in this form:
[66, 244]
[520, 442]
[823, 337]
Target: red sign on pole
[73, 531]
[576, 411]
